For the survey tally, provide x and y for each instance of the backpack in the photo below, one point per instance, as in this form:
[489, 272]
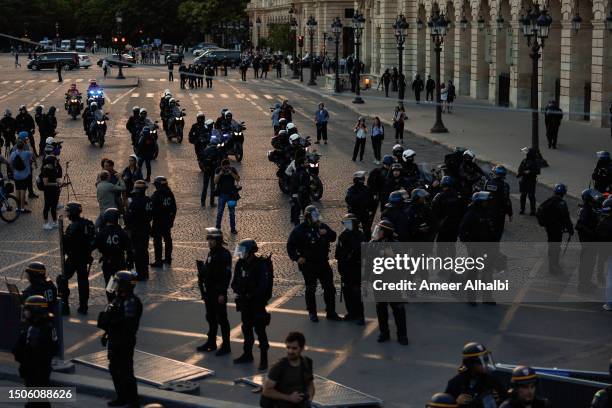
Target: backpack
[18, 163]
[268, 276]
[543, 214]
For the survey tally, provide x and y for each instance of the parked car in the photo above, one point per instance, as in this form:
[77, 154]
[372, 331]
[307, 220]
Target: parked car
[50, 59]
[203, 47]
[80, 46]
[174, 58]
[84, 61]
[113, 61]
[218, 55]
[65, 45]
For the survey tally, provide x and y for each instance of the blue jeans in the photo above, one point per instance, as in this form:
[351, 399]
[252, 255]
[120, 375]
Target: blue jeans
[223, 199]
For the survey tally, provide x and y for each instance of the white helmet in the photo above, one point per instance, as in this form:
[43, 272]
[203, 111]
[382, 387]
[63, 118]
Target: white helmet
[290, 125]
[49, 140]
[469, 154]
[200, 113]
[209, 122]
[408, 155]
[294, 137]
[167, 92]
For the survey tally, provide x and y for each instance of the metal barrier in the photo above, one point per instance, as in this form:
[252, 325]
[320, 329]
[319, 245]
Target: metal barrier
[10, 320]
[563, 388]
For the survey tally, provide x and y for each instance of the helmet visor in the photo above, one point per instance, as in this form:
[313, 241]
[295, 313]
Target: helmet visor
[315, 216]
[348, 225]
[378, 233]
[240, 252]
[113, 285]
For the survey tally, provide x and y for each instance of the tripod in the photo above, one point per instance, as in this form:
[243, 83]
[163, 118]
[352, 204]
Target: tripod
[67, 182]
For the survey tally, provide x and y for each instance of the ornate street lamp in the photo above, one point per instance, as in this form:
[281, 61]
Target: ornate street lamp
[499, 22]
[258, 25]
[337, 31]
[311, 26]
[358, 26]
[481, 23]
[463, 23]
[437, 25]
[120, 41]
[294, 25]
[400, 27]
[535, 26]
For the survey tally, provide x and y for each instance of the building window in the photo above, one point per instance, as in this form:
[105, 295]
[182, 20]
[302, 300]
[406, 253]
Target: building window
[349, 13]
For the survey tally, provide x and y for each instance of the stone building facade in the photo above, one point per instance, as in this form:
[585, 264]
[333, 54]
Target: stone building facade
[489, 62]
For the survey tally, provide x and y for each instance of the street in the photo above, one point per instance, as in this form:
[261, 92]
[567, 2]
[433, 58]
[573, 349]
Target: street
[576, 335]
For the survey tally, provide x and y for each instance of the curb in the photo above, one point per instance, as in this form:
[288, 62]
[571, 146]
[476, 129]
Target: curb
[104, 388]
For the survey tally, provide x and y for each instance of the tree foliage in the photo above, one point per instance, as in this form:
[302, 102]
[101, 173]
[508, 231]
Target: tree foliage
[279, 37]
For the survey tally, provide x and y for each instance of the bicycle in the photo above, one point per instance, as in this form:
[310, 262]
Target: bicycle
[8, 203]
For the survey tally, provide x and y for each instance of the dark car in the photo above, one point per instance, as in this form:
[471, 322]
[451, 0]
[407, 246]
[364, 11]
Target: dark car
[174, 58]
[217, 56]
[50, 59]
[113, 61]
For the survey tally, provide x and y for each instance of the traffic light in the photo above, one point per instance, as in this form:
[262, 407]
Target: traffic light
[123, 40]
[300, 41]
[115, 40]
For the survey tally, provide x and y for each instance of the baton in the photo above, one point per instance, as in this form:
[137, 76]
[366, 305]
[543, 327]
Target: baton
[569, 238]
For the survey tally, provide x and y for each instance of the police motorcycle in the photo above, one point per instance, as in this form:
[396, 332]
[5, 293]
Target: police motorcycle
[316, 185]
[73, 105]
[176, 125]
[284, 164]
[97, 131]
[232, 141]
[97, 94]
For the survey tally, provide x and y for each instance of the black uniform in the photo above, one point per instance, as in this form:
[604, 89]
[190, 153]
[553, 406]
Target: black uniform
[45, 288]
[25, 122]
[590, 258]
[478, 387]
[376, 182]
[251, 284]
[79, 241]
[210, 159]
[602, 398]
[164, 212]
[421, 223]
[39, 118]
[305, 241]
[448, 207]
[138, 224]
[501, 205]
[396, 214]
[602, 175]
[7, 125]
[114, 245]
[213, 283]
[554, 217]
[469, 174]
[514, 402]
[528, 173]
[132, 127]
[124, 318]
[348, 255]
[299, 184]
[360, 201]
[199, 136]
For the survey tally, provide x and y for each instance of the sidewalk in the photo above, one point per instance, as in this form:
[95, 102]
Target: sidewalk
[495, 134]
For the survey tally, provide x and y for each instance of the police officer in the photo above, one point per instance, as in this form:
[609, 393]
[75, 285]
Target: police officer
[395, 213]
[441, 399]
[528, 174]
[523, 392]
[376, 180]
[384, 232]
[395, 181]
[501, 205]
[114, 246]
[120, 323]
[308, 245]
[421, 221]
[397, 152]
[253, 283]
[138, 224]
[474, 386]
[198, 134]
[603, 397]
[553, 215]
[348, 255]
[448, 207]
[469, 173]
[164, 213]
[299, 188]
[410, 169]
[37, 344]
[602, 174]
[214, 276]
[25, 122]
[590, 259]
[40, 285]
[360, 202]
[79, 240]
[210, 159]
[132, 124]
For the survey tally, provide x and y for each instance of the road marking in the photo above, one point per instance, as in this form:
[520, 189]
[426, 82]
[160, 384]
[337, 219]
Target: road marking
[150, 94]
[6, 268]
[30, 81]
[210, 96]
[150, 79]
[254, 96]
[224, 96]
[162, 79]
[240, 96]
[122, 95]
[18, 81]
[268, 97]
[41, 81]
[5, 82]
[253, 103]
[135, 95]
[79, 80]
[181, 95]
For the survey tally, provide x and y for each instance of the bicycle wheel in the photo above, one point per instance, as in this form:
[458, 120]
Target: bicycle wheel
[8, 209]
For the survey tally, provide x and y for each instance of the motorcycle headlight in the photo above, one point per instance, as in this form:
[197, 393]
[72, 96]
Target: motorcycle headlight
[100, 122]
[179, 118]
[74, 101]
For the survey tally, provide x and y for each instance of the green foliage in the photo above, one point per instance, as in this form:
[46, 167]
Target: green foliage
[279, 38]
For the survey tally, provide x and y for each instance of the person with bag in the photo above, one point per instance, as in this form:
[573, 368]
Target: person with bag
[20, 160]
[399, 117]
[50, 176]
[226, 179]
[361, 132]
[290, 382]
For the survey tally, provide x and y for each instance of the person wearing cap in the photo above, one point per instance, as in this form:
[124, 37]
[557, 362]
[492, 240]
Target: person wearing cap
[130, 175]
[226, 179]
[441, 400]
[321, 119]
[106, 193]
[421, 221]
[603, 232]
[36, 345]
[523, 390]
[40, 284]
[348, 255]
[24, 122]
[469, 173]
[553, 215]
[138, 224]
[164, 213]
[474, 386]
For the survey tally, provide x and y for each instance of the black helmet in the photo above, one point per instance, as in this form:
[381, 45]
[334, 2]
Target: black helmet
[125, 280]
[350, 222]
[36, 270]
[312, 214]
[245, 248]
[140, 186]
[383, 229]
[447, 181]
[395, 198]
[590, 196]
[52, 110]
[398, 150]
[111, 216]
[359, 176]
[476, 354]
[160, 181]
[523, 375]
[37, 305]
[74, 209]
[560, 189]
[442, 400]
[136, 109]
[417, 194]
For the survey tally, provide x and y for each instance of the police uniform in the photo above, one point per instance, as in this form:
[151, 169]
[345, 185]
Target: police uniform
[116, 250]
[45, 288]
[348, 255]
[602, 398]
[210, 158]
[138, 223]
[477, 386]
[299, 187]
[448, 207]
[421, 223]
[556, 219]
[500, 205]
[376, 181]
[360, 201]
[164, 212]
[590, 259]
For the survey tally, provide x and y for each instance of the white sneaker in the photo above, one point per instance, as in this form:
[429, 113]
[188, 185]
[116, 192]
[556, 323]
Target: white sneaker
[607, 307]
[54, 224]
[47, 226]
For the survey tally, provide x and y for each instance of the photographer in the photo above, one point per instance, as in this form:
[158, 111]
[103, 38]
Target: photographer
[225, 180]
[50, 175]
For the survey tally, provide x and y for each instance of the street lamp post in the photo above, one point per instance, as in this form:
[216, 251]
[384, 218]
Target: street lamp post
[294, 26]
[400, 26]
[301, 57]
[437, 24]
[258, 25]
[358, 25]
[311, 26]
[120, 41]
[57, 39]
[337, 30]
[535, 26]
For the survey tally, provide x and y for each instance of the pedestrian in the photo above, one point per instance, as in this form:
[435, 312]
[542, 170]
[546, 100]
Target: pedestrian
[401, 83]
[553, 215]
[226, 179]
[279, 68]
[120, 321]
[170, 71]
[399, 119]
[451, 95]
[50, 176]
[23, 136]
[321, 119]
[209, 72]
[417, 87]
[24, 122]
[348, 255]
[290, 381]
[385, 79]
[39, 116]
[182, 75]
[244, 67]
[21, 160]
[210, 160]
[378, 135]
[308, 245]
[105, 67]
[602, 173]
[200, 73]
[361, 133]
[138, 224]
[17, 64]
[444, 97]
[146, 148]
[79, 240]
[253, 284]
[130, 175]
[58, 68]
[553, 115]
[214, 276]
[164, 213]
[394, 78]
[528, 174]
[8, 126]
[430, 85]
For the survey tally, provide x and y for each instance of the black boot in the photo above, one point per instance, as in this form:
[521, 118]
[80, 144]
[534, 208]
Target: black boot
[225, 349]
[263, 360]
[246, 357]
[208, 346]
[383, 337]
[65, 309]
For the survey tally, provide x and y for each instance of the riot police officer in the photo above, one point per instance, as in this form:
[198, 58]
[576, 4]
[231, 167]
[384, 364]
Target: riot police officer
[209, 159]
[384, 232]
[40, 285]
[376, 180]
[120, 322]
[602, 174]
[395, 213]
[37, 344]
[308, 245]
[132, 124]
[420, 218]
[395, 180]
[114, 245]
[528, 174]
[603, 397]
[469, 173]
[164, 213]
[299, 188]
[448, 207]
[199, 136]
[523, 392]
[253, 283]
[79, 240]
[410, 169]
[397, 152]
[441, 399]
[501, 205]
[553, 215]
[360, 202]
[348, 255]
[590, 259]
[474, 386]
[138, 224]
[214, 276]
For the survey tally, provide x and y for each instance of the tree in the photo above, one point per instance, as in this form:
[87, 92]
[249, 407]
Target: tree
[279, 37]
